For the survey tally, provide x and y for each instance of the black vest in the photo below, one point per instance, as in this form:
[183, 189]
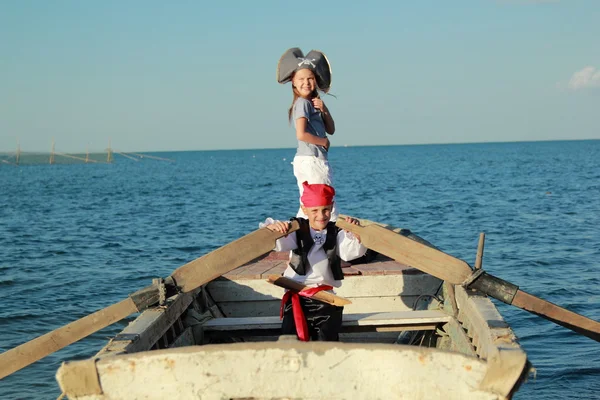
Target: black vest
[299, 259]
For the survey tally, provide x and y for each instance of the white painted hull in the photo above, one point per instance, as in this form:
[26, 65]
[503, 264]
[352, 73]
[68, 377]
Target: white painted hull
[287, 370]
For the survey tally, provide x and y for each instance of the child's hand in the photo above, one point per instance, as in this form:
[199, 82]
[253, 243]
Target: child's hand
[319, 105]
[353, 222]
[279, 226]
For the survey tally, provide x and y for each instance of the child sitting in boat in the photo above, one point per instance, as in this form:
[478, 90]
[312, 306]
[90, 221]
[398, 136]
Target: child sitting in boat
[317, 249]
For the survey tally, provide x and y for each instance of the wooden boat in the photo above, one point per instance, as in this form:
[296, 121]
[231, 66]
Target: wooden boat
[406, 334]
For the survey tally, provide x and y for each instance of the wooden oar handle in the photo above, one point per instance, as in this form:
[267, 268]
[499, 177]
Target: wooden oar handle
[294, 286]
[511, 294]
[36, 349]
[410, 252]
[227, 258]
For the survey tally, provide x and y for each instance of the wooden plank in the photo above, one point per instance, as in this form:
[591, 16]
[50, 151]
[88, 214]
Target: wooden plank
[273, 371]
[459, 340]
[224, 259]
[483, 322]
[359, 305]
[407, 318]
[185, 339]
[494, 341]
[410, 252]
[148, 327]
[253, 271]
[386, 268]
[450, 299]
[352, 286]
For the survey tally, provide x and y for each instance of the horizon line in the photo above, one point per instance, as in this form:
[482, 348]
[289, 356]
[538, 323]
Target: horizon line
[292, 148]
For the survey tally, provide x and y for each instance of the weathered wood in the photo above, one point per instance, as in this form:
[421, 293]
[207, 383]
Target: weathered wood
[561, 316]
[494, 341]
[479, 257]
[408, 318]
[483, 322]
[149, 327]
[352, 287]
[27, 353]
[459, 340]
[359, 305]
[185, 339]
[450, 299]
[410, 252]
[278, 370]
[227, 258]
[81, 378]
[510, 294]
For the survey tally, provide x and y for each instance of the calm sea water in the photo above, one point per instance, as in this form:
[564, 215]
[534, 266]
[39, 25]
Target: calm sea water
[77, 238]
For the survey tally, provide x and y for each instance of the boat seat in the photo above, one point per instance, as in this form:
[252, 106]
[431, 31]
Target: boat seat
[363, 322]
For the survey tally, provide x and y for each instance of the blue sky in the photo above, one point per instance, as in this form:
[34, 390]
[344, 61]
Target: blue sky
[196, 75]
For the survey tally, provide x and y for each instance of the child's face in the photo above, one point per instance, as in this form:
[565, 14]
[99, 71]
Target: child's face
[318, 217]
[305, 83]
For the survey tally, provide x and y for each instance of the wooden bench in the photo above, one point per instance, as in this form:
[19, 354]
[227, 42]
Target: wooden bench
[364, 322]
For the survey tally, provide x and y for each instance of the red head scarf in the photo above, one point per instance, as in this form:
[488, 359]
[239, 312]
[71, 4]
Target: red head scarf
[317, 195]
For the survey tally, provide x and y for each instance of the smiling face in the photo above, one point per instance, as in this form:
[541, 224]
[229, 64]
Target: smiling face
[318, 217]
[304, 82]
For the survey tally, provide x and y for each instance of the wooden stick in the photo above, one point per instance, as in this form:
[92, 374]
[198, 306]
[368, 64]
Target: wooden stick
[125, 155]
[561, 316]
[294, 286]
[479, 258]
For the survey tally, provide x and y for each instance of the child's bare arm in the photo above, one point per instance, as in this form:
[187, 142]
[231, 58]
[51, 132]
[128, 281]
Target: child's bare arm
[325, 114]
[305, 136]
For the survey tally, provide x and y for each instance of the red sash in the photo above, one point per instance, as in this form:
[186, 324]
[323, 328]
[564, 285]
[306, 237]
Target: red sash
[300, 321]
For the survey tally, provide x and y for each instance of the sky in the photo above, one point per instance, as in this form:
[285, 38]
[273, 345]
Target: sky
[197, 75]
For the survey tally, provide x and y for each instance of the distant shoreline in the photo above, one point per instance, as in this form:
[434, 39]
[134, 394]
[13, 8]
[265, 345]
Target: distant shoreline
[96, 154]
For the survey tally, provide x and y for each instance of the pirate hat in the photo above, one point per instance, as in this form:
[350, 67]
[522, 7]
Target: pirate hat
[293, 60]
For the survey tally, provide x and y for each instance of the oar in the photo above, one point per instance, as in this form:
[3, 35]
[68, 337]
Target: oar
[186, 278]
[458, 272]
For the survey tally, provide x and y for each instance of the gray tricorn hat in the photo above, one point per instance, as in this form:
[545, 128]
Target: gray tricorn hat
[293, 60]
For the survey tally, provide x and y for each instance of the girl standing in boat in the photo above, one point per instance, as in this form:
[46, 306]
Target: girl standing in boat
[316, 251]
[311, 117]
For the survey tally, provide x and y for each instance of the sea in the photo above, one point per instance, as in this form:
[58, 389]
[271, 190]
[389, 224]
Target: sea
[77, 238]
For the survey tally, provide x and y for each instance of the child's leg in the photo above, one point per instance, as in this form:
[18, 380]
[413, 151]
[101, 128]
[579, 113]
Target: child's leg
[324, 320]
[288, 326]
[313, 170]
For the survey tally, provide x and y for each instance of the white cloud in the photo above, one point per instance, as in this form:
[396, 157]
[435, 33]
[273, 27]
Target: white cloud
[588, 77]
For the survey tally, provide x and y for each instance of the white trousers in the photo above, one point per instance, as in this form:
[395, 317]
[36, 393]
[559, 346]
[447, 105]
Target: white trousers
[313, 170]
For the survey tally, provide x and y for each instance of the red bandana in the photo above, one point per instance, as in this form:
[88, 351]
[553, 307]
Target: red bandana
[317, 195]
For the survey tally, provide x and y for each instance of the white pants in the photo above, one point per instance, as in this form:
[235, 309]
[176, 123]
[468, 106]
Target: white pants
[313, 170]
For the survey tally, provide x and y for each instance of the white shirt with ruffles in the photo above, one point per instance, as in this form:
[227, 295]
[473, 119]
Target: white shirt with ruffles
[318, 271]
